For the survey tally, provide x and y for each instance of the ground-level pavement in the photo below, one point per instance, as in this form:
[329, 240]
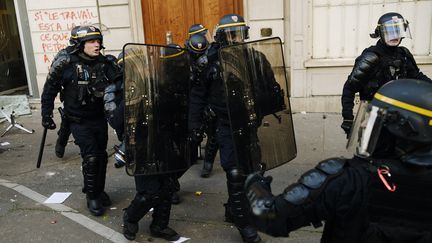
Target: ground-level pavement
[23, 188]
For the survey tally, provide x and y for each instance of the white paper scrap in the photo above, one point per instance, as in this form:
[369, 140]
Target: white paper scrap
[182, 239]
[4, 143]
[58, 197]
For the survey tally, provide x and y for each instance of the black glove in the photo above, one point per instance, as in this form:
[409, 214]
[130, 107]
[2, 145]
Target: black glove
[48, 122]
[258, 192]
[346, 126]
[196, 136]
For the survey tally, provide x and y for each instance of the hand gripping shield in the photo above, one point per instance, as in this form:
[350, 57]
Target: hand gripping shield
[156, 97]
[258, 104]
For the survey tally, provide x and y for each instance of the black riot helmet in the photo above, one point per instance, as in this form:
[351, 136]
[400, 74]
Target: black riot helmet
[197, 29]
[197, 44]
[403, 109]
[392, 28]
[172, 50]
[73, 40]
[231, 29]
[86, 33]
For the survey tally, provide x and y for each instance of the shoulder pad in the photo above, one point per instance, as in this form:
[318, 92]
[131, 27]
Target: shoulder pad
[369, 56]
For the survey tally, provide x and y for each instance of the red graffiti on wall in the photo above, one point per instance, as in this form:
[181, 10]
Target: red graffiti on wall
[54, 26]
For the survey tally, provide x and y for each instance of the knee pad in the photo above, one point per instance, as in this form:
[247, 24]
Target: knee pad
[235, 175]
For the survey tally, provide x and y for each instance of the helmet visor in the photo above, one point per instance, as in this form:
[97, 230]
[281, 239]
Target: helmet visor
[366, 129]
[236, 34]
[395, 30]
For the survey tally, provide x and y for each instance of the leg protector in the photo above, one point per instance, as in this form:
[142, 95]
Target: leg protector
[90, 173]
[239, 206]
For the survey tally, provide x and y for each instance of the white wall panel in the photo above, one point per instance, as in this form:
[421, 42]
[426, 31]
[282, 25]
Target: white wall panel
[277, 27]
[117, 38]
[113, 2]
[115, 16]
[340, 29]
[263, 9]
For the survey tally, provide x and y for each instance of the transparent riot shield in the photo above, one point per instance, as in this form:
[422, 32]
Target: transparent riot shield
[156, 90]
[258, 103]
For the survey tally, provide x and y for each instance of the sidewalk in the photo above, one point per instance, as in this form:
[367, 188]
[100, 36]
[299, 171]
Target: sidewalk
[23, 218]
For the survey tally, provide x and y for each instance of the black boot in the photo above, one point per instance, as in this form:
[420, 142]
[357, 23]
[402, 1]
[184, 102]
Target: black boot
[175, 198]
[239, 206]
[229, 218]
[59, 149]
[129, 228]
[161, 214]
[139, 207]
[207, 169]
[95, 206]
[105, 199]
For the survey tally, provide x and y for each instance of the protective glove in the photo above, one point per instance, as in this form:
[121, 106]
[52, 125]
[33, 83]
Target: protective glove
[48, 122]
[346, 126]
[196, 136]
[258, 192]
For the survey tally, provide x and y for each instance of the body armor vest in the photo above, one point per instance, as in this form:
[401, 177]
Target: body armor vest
[84, 89]
[390, 67]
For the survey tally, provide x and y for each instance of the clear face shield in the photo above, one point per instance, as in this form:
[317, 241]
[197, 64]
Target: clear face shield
[394, 31]
[366, 129]
[236, 34]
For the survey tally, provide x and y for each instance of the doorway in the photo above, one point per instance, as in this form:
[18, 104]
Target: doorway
[178, 15]
[13, 78]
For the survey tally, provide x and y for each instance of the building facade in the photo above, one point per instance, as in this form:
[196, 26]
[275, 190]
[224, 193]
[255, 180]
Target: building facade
[321, 38]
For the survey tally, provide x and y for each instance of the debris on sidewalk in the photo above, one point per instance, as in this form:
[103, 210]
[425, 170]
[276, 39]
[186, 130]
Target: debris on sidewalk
[58, 197]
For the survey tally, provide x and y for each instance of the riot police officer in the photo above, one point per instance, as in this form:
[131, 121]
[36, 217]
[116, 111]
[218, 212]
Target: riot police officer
[379, 64]
[371, 197]
[64, 131]
[114, 109]
[155, 190]
[83, 75]
[197, 45]
[210, 91]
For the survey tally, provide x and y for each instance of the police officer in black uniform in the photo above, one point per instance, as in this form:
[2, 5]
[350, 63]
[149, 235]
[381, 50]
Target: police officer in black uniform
[210, 91]
[379, 64]
[64, 131]
[371, 197]
[155, 191]
[114, 110]
[83, 75]
[197, 45]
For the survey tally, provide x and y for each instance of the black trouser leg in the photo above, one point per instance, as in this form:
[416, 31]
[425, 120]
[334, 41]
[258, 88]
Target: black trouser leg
[239, 207]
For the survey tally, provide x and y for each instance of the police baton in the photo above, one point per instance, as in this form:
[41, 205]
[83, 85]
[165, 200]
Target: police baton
[41, 149]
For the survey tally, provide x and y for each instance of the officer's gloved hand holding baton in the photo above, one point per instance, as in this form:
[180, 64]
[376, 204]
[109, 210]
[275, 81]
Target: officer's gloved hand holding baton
[48, 122]
[196, 135]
